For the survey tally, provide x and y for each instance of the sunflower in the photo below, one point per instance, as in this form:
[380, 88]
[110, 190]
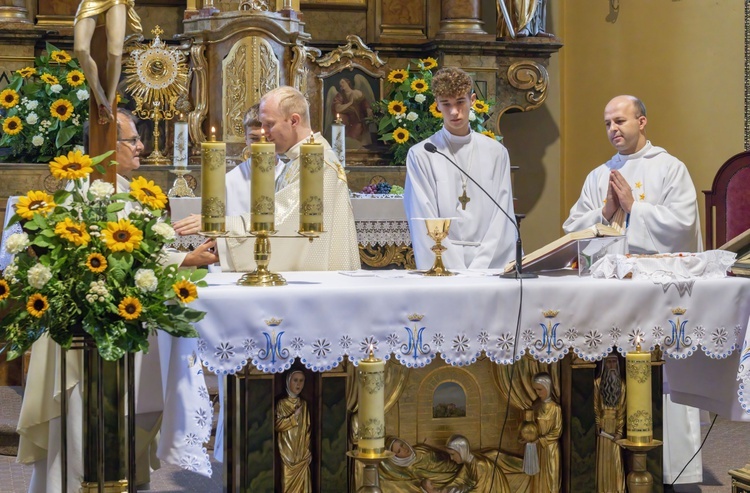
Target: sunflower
[75, 78]
[60, 56]
[71, 167]
[33, 202]
[489, 133]
[4, 290]
[9, 98]
[419, 85]
[130, 308]
[37, 305]
[185, 290]
[12, 125]
[396, 108]
[62, 109]
[73, 232]
[49, 79]
[122, 235]
[480, 106]
[96, 263]
[434, 111]
[26, 72]
[398, 76]
[429, 63]
[400, 135]
[148, 193]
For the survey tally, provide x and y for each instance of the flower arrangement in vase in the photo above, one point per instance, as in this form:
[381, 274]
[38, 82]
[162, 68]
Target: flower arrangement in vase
[88, 258]
[409, 114]
[44, 108]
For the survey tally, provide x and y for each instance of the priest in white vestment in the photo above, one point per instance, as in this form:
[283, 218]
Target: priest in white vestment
[39, 420]
[649, 195]
[481, 236]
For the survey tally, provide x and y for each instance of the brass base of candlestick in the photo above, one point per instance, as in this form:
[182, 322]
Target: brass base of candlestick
[180, 187]
[109, 487]
[639, 480]
[157, 158]
[370, 479]
[261, 276]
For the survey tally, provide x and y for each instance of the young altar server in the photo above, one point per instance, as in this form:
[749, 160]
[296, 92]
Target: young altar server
[649, 195]
[481, 236]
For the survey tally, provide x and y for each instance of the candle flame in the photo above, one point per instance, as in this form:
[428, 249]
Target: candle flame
[213, 134]
[638, 344]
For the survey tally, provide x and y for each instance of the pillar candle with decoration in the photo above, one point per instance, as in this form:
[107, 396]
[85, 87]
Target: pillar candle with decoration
[639, 421]
[262, 185]
[311, 187]
[338, 139]
[371, 372]
[180, 143]
[213, 185]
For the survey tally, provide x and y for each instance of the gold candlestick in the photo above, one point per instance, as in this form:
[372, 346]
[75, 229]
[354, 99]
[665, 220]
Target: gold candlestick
[437, 229]
[213, 184]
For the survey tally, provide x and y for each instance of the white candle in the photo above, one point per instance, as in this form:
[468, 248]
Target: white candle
[638, 395]
[311, 187]
[262, 185]
[338, 139]
[371, 405]
[213, 184]
[180, 144]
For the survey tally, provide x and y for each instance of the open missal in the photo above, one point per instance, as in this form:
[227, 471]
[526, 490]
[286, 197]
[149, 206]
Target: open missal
[740, 245]
[573, 249]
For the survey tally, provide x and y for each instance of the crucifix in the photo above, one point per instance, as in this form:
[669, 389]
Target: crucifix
[464, 199]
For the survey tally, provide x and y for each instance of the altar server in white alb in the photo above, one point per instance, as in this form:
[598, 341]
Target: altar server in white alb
[649, 195]
[481, 237]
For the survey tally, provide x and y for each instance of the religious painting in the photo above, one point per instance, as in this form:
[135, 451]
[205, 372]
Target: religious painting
[350, 95]
[449, 401]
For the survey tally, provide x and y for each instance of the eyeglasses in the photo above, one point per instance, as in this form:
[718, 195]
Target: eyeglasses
[132, 141]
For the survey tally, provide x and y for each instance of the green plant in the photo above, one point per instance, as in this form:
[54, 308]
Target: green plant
[409, 114]
[45, 107]
[91, 260]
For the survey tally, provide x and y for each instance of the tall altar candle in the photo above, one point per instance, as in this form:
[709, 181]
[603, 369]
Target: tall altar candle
[371, 373]
[262, 185]
[338, 139]
[311, 187]
[213, 171]
[180, 143]
[638, 395]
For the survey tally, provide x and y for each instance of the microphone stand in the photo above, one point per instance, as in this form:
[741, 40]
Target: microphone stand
[518, 273]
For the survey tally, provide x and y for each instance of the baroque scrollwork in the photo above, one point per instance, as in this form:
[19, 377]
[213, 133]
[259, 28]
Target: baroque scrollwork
[200, 85]
[532, 77]
[354, 48]
[383, 256]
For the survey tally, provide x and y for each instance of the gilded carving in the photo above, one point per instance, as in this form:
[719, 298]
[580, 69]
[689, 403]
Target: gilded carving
[300, 69]
[382, 256]
[531, 77]
[200, 86]
[235, 88]
[354, 48]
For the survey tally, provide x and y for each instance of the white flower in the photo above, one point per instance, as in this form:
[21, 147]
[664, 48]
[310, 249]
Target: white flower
[420, 98]
[56, 88]
[78, 148]
[145, 280]
[76, 120]
[472, 116]
[37, 140]
[17, 242]
[31, 105]
[46, 123]
[165, 231]
[101, 189]
[82, 94]
[412, 116]
[39, 275]
[32, 118]
[9, 274]
[400, 116]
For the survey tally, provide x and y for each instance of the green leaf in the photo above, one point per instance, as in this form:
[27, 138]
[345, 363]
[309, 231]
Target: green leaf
[98, 159]
[115, 207]
[65, 134]
[198, 274]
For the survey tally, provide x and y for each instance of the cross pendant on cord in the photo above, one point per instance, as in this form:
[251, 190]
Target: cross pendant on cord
[464, 199]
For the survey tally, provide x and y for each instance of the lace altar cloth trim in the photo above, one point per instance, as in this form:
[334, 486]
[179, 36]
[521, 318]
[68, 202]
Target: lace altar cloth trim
[372, 233]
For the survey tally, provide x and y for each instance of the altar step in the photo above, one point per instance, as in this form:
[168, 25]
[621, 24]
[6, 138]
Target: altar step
[10, 408]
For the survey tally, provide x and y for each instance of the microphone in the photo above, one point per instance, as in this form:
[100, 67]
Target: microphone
[518, 274]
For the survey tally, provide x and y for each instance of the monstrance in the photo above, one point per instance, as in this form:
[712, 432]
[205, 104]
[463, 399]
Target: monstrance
[155, 76]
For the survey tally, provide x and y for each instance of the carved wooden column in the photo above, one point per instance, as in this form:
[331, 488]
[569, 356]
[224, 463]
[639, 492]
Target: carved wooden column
[14, 11]
[461, 19]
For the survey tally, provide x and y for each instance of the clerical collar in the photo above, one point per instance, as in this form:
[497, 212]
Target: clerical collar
[294, 151]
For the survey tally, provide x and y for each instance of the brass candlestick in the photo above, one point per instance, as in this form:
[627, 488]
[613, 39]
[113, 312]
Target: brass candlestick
[370, 478]
[156, 157]
[261, 276]
[639, 479]
[437, 229]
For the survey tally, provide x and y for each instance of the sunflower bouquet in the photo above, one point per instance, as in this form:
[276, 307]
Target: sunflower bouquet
[43, 108]
[409, 114]
[90, 260]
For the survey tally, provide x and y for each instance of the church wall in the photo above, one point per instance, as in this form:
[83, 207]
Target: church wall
[683, 59]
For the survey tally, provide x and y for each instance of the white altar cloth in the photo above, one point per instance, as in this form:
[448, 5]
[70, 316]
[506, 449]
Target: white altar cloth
[380, 221]
[322, 317]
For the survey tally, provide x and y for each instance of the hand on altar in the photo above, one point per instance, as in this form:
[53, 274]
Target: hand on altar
[204, 254]
[190, 225]
[622, 189]
[611, 205]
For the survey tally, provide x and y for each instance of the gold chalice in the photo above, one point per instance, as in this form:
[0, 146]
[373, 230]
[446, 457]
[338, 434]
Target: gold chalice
[437, 229]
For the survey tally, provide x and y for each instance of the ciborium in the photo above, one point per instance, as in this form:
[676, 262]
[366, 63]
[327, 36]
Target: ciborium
[437, 229]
